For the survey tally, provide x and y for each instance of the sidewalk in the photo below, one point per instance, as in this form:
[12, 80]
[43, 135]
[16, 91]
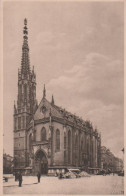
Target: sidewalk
[94, 185]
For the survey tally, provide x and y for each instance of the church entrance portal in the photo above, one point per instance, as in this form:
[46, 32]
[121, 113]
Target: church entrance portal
[41, 162]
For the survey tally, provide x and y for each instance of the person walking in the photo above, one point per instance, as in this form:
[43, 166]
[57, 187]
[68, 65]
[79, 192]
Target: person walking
[16, 176]
[60, 175]
[20, 179]
[38, 175]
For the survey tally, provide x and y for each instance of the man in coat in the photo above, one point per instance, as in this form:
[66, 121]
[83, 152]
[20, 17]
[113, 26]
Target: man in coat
[16, 176]
[38, 175]
[20, 179]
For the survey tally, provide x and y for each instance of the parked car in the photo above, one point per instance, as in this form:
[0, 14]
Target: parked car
[102, 172]
[76, 172]
[5, 179]
[121, 173]
[69, 174]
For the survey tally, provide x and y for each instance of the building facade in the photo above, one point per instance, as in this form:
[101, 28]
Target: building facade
[7, 164]
[46, 137]
[109, 162]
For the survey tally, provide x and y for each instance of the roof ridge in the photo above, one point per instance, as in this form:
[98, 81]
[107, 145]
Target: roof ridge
[70, 113]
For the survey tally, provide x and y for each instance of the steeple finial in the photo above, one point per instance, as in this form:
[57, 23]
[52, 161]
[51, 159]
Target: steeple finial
[25, 62]
[52, 102]
[25, 27]
[44, 92]
[15, 107]
[25, 21]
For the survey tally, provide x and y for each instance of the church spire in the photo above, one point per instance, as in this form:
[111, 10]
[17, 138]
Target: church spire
[26, 78]
[52, 102]
[44, 92]
[25, 63]
[15, 110]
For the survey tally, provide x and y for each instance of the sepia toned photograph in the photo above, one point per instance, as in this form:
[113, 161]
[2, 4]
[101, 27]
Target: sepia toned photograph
[63, 97]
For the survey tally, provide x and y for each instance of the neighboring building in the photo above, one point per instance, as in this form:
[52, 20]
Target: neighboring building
[7, 164]
[118, 164]
[46, 137]
[109, 162]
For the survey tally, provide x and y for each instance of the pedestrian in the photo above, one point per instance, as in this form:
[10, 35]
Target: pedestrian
[38, 175]
[20, 179]
[60, 175]
[56, 174]
[16, 176]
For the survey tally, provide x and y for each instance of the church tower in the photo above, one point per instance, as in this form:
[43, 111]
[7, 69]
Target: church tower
[26, 103]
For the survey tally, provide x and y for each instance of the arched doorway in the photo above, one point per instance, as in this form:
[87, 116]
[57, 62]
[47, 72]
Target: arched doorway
[41, 162]
[69, 147]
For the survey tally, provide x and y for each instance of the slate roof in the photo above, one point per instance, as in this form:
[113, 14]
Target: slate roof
[39, 115]
[61, 113]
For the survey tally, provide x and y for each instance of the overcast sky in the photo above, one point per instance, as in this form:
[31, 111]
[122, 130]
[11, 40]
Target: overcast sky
[77, 51]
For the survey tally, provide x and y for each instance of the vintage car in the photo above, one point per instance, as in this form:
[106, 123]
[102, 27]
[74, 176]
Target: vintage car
[102, 172]
[121, 173]
[5, 179]
[72, 173]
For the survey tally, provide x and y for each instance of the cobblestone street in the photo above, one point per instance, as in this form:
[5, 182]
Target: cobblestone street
[52, 185]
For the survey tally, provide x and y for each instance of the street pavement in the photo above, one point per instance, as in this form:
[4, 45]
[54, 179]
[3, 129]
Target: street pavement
[94, 185]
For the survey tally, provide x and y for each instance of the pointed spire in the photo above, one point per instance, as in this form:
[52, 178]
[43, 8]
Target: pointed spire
[52, 102]
[25, 31]
[44, 92]
[25, 64]
[15, 110]
[50, 116]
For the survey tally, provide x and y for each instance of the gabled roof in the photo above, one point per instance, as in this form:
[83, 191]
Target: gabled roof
[44, 109]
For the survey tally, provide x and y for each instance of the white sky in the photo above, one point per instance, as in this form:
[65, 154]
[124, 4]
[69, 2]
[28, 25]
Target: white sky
[77, 51]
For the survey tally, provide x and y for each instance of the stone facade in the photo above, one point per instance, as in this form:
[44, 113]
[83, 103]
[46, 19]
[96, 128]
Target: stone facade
[47, 137]
[109, 162]
[79, 143]
[26, 104]
[7, 164]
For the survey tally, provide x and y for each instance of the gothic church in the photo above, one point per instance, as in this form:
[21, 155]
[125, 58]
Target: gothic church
[48, 138]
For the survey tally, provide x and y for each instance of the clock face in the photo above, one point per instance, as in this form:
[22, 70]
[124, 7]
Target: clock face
[43, 109]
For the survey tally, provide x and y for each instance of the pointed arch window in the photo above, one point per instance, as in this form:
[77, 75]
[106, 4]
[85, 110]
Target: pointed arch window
[20, 92]
[23, 122]
[88, 148]
[27, 120]
[69, 146]
[76, 140]
[43, 134]
[15, 123]
[34, 135]
[57, 140]
[81, 146]
[25, 91]
[20, 89]
[19, 122]
[76, 148]
[64, 140]
[30, 142]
